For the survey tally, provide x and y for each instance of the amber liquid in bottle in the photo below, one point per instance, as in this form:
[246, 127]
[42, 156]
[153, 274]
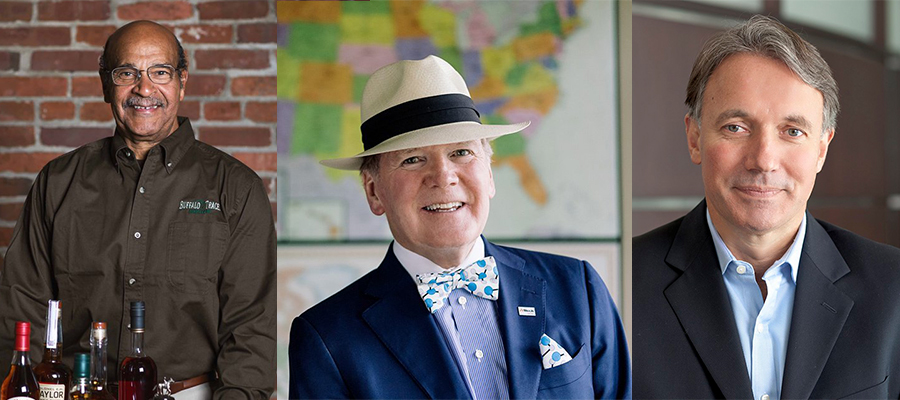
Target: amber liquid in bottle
[54, 377]
[21, 383]
[137, 376]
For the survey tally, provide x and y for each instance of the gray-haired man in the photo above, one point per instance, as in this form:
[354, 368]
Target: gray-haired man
[749, 296]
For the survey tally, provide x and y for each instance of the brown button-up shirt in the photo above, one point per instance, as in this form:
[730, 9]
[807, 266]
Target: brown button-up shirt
[190, 233]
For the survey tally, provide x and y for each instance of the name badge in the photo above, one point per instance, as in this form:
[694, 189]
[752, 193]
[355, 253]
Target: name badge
[526, 311]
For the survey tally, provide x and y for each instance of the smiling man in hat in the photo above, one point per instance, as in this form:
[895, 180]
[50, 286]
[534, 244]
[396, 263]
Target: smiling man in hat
[448, 314]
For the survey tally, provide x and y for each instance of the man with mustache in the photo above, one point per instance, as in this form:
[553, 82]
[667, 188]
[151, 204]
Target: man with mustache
[447, 314]
[151, 214]
[748, 295]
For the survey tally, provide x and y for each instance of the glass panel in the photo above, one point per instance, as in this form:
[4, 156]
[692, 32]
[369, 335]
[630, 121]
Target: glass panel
[853, 19]
[742, 5]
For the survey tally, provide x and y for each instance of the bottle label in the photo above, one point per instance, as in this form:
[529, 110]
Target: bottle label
[52, 391]
[21, 398]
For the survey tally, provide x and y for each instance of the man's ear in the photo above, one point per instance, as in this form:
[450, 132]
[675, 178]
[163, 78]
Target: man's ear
[692, 130]
[369, 184]
[107, 84]
[823, 149]
[183, 77]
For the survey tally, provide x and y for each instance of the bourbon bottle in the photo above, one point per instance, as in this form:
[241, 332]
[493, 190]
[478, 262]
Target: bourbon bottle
[137, 375]
[54, 377]
[21, 384]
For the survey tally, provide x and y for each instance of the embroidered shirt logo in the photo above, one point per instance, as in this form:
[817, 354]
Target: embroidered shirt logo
[199, 206]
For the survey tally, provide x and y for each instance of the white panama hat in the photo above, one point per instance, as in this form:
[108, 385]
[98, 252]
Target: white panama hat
[411, 104]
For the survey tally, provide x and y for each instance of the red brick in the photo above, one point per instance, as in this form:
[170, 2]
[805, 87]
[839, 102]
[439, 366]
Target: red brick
[222, 111]
[236, 136]
[25, 162]
[35, 36]
[203, 33]
[96, 112]
[33, 86]
[233, 9]
[6, 236]
[256, 33]
[79, 60]
[14, 186]
[53, 110]
[16, 111]
[254, 86]
[16, 136]
[87, 86]
[73, 11]
[72, 136]
[10, 211]
[15, 11]
[190, 109]
[231, 59]
[205, 85]
[157, 10]
[259, 161]
[261, 112]
[94, 35]
[9, 61]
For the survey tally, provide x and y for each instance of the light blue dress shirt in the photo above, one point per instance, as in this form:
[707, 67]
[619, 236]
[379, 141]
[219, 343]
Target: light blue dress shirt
[469, 326]
[763, 327]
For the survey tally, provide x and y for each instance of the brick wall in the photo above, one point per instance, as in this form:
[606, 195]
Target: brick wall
[50, 93]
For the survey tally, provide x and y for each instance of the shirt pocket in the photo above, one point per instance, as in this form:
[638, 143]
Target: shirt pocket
[567, 373]
[195, 251]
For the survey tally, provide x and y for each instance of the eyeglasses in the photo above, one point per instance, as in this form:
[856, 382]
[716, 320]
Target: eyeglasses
[158, 74]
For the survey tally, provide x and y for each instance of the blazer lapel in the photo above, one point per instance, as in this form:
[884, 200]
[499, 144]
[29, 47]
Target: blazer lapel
[521, 334]
[700, 301]
[820, 310]
[401, 321]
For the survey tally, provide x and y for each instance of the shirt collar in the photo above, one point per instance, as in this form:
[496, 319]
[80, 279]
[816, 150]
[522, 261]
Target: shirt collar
[416, 264]
[173, 147]
[791, 256]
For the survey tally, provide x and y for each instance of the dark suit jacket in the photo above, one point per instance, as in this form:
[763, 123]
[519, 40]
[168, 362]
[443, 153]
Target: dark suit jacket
[844, 339]
[376, 339]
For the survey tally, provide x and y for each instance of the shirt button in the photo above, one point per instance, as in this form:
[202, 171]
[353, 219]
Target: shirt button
[141, 190]
[137, 235]
[462, 301]
[479, 354]
[741, 269]
[759, 328]
[131, 281]
[127, 153]
[169, 164]
[764, 397]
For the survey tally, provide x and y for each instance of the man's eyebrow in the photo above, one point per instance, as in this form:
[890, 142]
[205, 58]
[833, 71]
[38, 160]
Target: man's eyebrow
[732, 113]
[798, 120]
[126, 65]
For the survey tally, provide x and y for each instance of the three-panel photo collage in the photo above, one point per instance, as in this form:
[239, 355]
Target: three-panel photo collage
[449, 199]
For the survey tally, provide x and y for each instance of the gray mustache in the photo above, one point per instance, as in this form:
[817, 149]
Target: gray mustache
[143, 102]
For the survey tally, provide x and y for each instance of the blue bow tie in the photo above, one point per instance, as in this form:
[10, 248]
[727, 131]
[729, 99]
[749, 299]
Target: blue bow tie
[480, 278]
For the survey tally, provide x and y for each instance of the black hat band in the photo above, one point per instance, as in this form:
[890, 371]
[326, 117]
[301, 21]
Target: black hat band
[417, 114]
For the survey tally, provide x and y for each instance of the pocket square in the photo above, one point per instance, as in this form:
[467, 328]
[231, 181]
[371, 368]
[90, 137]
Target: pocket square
[552, 354]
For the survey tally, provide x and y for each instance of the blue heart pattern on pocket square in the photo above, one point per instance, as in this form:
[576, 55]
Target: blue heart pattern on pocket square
[552, 354]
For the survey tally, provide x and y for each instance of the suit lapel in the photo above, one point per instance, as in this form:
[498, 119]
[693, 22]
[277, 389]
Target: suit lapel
[521, 334]
[820, 310]
[700, 301]
[401, 321]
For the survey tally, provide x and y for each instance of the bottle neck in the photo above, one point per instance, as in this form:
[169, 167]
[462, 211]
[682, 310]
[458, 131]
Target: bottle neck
[98, 362]
[137, 340]
[82, 385]
[21, 358]
[52, 355]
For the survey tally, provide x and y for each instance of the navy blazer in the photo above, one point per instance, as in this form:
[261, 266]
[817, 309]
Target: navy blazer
[376, 339]
[844, 340]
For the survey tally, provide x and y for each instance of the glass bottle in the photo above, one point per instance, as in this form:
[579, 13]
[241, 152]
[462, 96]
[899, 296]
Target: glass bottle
[98, 360]
[82, 388]
[21, 383]
[54, 377]
[137, 375]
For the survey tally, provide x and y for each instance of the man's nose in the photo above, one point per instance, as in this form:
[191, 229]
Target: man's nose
[763, 151]
[144, 86]
[442, 172]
